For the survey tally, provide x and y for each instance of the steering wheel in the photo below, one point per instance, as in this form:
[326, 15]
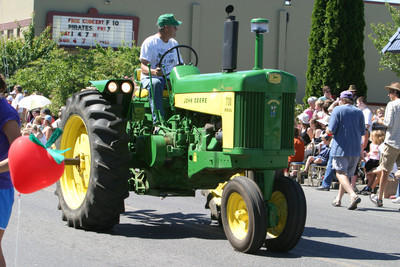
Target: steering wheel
[177, 53]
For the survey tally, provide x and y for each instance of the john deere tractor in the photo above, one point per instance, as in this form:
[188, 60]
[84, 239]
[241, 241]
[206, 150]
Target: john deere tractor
[214, 126]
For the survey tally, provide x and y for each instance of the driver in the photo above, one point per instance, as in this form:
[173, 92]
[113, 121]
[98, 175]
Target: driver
[151, 52]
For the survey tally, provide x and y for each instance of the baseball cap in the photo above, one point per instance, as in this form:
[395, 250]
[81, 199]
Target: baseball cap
[47, 118]
[346, 94]
[304, 118]
[168, 19]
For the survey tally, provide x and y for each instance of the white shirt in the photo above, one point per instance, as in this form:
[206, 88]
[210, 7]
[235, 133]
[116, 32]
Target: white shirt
[392, 122]
[16, 100]
[368, 118]
[153, 48]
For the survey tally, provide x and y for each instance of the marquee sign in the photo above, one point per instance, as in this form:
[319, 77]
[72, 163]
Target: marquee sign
[86, 30]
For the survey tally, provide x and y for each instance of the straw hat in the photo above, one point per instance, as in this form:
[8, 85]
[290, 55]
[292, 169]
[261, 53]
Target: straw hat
[393, 86]
[352, 88]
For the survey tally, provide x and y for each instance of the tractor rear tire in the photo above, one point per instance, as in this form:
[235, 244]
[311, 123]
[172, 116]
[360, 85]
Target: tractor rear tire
[289, 199]
[91, 195]
[243, 215]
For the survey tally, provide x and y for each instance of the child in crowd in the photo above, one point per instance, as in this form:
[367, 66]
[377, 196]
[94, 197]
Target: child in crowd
[38, 121]
[372, 159]
[39, 135]
[318, 112]
[379, 116]
[298, 150]
[47, 128]
[323, 155]
[36, 131]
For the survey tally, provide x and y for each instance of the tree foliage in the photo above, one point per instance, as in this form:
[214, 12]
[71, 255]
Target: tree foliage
[38, 64]
[61, 73]
[336, 54]
[17, 52]
[380, 37]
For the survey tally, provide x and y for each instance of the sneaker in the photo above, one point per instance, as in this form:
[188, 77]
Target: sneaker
[366, 191]
[396, 201]
[374, 199]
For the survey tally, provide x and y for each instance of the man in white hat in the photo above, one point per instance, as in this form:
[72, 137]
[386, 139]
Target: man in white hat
[391, 151]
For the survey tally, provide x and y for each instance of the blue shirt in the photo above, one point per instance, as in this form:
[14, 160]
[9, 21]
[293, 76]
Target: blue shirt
[7, 113]
[347, 125]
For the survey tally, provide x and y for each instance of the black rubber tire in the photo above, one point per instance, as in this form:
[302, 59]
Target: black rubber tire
[109, 166]
[296, 216]
[257, 224]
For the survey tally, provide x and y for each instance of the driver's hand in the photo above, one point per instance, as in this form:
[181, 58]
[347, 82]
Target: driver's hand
[159, 72]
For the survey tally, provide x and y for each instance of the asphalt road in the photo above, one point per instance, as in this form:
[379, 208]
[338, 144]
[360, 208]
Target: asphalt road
[178, 232]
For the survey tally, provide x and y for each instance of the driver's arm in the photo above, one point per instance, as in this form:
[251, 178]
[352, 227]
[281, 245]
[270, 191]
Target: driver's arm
[145, 69]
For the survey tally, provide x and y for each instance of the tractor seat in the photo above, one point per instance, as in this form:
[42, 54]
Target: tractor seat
[144, 92]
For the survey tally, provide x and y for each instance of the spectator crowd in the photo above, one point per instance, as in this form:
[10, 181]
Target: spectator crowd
[38, 121]
[356, 146]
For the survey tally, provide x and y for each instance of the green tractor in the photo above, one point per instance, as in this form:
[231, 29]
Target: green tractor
[215, 126]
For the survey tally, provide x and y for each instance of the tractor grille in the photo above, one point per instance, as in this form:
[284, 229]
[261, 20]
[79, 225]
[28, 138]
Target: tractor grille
[287, 121]
[249, 119]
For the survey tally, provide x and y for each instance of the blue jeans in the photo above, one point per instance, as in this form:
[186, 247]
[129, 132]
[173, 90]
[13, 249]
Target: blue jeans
[329, 173]
[156, 100]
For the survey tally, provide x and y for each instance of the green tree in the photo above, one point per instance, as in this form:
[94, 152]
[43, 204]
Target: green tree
[315, 59]
[380, 37]
[336, 54]
[18, 52]
[61, 74]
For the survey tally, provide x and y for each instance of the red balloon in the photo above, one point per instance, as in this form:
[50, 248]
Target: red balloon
[32, 168]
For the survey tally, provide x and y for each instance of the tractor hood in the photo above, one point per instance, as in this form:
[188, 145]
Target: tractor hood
[184, 78]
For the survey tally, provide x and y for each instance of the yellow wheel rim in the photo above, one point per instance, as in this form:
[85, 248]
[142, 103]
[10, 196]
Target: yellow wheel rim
[75, 180]
[238, 217]
[281, 206]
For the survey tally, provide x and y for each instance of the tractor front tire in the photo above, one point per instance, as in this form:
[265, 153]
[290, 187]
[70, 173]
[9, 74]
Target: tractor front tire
[91, 194]
[290, 202]
[243, 215]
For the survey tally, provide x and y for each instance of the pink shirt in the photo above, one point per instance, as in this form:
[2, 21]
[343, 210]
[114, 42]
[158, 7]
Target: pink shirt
[309, 112]
[373, 151]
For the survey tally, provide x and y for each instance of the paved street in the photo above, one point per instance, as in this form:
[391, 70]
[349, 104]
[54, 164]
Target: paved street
[178, 231]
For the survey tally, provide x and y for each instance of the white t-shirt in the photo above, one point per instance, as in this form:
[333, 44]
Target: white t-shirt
[153, 48]
[16, 100]
[368, 118]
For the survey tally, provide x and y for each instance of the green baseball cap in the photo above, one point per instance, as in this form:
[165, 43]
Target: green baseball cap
[168, 19]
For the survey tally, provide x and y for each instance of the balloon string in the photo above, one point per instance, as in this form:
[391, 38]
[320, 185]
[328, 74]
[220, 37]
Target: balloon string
[17, 237]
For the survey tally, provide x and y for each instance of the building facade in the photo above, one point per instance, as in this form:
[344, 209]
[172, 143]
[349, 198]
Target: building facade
[285, 46]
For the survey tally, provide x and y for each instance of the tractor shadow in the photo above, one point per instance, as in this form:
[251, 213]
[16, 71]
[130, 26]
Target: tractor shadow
[307, 247]
[149, 224]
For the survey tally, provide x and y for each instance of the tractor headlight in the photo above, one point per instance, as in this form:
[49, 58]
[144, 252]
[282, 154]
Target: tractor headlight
[112, 87]
[126, 87]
